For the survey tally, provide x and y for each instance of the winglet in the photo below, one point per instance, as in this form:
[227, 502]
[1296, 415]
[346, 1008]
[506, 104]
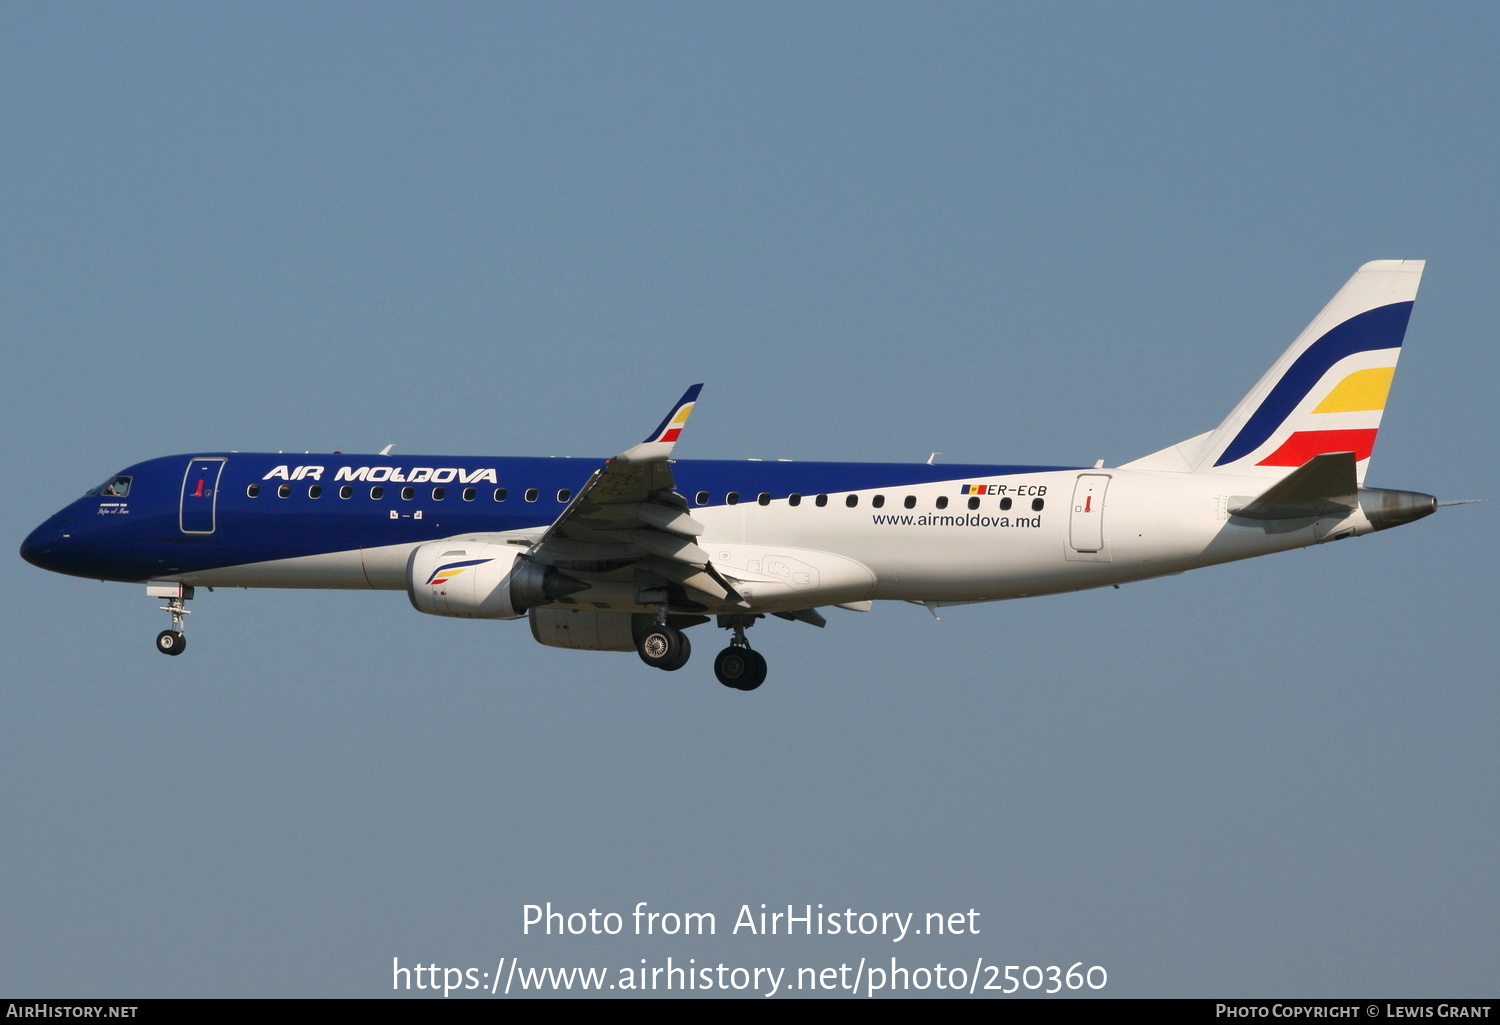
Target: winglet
[659, 443]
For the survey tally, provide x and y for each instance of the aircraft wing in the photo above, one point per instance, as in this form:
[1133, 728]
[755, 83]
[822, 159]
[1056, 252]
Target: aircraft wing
[629, 515]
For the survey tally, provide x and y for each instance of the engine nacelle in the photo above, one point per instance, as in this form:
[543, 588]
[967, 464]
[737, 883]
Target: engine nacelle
[473, 579]
[584, 630]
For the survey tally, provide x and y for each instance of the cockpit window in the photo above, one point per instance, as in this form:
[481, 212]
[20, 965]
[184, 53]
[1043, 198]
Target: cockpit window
[115, 487]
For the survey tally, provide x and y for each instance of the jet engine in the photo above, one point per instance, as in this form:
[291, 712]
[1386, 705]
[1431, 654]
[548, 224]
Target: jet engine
[473, 579]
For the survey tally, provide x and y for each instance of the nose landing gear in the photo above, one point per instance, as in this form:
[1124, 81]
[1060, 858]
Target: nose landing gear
[173, 641]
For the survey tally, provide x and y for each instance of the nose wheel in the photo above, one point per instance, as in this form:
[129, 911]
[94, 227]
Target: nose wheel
[173, 641]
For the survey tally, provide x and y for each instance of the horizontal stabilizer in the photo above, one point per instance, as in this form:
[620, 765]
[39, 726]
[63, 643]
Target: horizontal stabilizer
[1322, 486]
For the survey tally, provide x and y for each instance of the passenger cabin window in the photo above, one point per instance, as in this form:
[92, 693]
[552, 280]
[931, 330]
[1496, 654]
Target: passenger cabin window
[438, 494]
[499, 494]
[1037, 503]
[793, 499]
[377, 492]
[253, 491]
[878, 501]
[564, 494]
[911, 501]
[1004, 504]
[531, 494]
[852, 501]
[821, 501]
[315, 491]
[284, 491]
[974, 503]
[764, 498]
[942, 502]
[701, 498]
[469, 494]
[733, 498]
[347, 491]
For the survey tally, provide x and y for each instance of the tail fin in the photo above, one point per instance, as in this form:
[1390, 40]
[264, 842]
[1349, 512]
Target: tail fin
[1326, 393]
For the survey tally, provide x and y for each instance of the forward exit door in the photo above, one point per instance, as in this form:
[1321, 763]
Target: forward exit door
[200, 495]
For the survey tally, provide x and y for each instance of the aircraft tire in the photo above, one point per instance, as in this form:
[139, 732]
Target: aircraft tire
[740, 668]
[170, 642]
[683, 655]
[664, 647]
[757, 674]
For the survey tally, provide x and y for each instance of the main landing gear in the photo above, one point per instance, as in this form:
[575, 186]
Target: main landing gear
[173, 641]
[664, 647]
[738, 667]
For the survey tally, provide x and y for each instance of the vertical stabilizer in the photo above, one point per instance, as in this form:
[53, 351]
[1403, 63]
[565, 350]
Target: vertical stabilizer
[1327, 392]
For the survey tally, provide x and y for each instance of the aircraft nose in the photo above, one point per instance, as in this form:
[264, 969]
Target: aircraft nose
[40, 546]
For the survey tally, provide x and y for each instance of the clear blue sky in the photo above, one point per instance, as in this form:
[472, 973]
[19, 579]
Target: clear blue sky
[1008, 233]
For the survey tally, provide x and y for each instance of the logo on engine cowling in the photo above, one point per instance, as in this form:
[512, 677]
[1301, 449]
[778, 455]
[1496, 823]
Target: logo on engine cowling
[447, 572]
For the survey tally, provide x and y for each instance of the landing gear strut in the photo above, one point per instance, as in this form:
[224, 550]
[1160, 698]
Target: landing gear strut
[738, 666]
[173, 641]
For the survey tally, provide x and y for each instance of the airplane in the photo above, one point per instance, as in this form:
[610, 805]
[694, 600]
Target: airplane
[629, 555]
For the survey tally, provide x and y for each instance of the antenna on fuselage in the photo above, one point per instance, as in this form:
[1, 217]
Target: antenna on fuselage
[387, 450]
[932, 459]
